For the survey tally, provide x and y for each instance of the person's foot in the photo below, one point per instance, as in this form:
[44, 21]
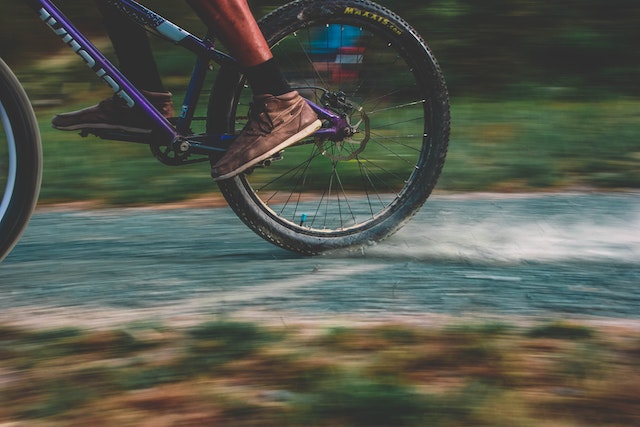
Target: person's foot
[275, 123]
[114, 114]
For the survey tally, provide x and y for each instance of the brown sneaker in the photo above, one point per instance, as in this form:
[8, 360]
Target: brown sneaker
[275, 123]
[114, 114]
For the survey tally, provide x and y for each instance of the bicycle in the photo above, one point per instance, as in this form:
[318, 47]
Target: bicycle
[368, 74]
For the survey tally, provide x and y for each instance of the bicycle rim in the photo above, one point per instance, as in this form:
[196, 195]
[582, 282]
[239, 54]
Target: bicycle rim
[8, 161]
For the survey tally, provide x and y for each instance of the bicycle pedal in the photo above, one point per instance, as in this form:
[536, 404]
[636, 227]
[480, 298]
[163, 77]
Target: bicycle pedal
[266, 162]
[115, 135]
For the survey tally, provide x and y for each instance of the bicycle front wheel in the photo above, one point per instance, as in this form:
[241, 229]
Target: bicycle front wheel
[20, 160]
[366, 64]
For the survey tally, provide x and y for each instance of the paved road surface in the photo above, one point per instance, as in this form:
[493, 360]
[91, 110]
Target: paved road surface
[550, 256]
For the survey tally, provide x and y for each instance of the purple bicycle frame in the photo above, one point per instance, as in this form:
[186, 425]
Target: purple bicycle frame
[160, 26]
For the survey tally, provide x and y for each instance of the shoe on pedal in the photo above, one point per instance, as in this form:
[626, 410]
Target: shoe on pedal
[114, 114]
[275, 122]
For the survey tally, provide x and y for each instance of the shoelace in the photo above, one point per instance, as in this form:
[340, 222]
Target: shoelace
[260, 122]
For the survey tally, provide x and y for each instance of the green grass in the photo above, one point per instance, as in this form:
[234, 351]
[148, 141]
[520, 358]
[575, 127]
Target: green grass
[499, 146]
[561, 330]
[543, 144]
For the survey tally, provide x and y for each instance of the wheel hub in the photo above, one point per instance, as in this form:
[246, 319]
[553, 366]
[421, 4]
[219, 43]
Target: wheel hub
[352, 139]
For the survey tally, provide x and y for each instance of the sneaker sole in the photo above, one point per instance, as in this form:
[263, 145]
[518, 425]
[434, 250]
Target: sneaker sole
[309, 130]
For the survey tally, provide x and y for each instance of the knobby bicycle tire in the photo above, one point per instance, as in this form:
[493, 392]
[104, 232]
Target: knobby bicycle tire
[324, 194]
[20, 160]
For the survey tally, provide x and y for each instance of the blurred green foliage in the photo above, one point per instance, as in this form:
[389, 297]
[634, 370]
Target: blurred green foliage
[490, 47]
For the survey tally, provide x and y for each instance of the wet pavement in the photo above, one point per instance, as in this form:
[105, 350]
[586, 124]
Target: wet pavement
[473, 256]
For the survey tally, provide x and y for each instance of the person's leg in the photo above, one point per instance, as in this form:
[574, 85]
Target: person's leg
[137, 63]
[233, 22]
[279, 116]
[132, 48]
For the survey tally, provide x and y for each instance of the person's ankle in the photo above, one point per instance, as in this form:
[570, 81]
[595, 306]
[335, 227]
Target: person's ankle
[267, 78]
